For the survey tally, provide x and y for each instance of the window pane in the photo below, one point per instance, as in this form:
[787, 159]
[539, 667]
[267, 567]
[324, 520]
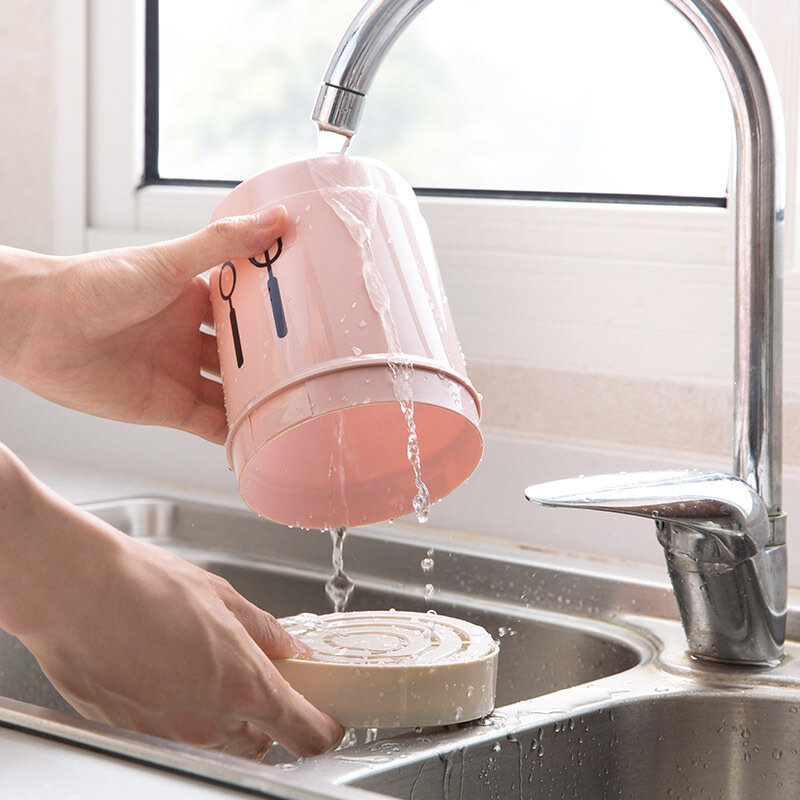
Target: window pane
[618, 97]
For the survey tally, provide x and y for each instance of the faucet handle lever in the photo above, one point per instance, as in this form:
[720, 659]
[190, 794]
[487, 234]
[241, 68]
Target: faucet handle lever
[710, 502]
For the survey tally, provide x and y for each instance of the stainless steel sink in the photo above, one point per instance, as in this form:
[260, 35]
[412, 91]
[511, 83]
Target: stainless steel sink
[596, 696]
[720, 744]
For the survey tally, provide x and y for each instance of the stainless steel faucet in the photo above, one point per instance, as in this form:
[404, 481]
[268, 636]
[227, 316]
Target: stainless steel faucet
[728, 575]
[728, 569]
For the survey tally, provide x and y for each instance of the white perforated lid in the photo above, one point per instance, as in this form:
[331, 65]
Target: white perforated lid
[390, 669]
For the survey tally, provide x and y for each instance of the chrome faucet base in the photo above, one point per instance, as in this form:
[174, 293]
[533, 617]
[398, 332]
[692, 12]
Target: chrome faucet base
[722, 626]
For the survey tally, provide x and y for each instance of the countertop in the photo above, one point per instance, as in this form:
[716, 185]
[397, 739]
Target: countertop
[35, 768]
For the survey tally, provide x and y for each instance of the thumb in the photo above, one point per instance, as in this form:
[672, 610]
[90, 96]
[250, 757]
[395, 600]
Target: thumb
[271, 637]
[274, 640]
[178, 260]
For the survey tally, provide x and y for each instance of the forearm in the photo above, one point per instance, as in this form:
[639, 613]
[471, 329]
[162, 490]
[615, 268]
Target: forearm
[28, 303]
[46, 549]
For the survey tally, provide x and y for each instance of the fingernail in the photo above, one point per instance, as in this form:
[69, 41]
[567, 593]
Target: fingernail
[302, 648]
[269, 216]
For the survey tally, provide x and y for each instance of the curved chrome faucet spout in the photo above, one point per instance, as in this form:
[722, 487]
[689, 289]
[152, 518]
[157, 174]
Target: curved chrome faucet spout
[759, 208]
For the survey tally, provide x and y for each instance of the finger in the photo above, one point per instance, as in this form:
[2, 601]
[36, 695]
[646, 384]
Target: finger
[208, 316]
[247, 741]
[286, 716]
[271, 637]
[178, 260]
[207, 416]
[209, 393]
[209, 356]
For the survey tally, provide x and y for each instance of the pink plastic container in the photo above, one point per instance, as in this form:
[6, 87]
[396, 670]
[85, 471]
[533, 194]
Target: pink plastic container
[337, 346]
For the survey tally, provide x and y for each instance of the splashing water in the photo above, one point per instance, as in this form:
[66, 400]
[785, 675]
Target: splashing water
[339, 587]
[349, 740]
[371, 735]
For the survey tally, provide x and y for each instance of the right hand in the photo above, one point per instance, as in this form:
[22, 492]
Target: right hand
[135, 636]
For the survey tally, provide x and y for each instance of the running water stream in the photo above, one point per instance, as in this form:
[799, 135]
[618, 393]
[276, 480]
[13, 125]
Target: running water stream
[339, 587]
[357, 207]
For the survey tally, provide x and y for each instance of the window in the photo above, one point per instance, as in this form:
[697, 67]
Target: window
[523, 277]
[529, 96]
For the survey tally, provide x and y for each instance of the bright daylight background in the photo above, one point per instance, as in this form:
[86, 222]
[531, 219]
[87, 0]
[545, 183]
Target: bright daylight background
[512, 94]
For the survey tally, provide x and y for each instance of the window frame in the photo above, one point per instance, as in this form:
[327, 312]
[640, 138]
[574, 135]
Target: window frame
[645, 257]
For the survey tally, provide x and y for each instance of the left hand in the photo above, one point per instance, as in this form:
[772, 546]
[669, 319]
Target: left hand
[117, 333]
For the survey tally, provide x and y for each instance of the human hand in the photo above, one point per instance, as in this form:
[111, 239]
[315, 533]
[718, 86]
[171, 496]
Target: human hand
[132, 635]
[117, 333]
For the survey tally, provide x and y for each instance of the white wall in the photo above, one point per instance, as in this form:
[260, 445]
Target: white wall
[26, 100]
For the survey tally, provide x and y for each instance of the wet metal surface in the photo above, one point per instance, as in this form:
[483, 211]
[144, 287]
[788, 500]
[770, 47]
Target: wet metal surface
[596, 695]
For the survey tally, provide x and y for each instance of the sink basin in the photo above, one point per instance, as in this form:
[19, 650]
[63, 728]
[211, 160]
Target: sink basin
[540, 612]
[718, 745]
[596, 695]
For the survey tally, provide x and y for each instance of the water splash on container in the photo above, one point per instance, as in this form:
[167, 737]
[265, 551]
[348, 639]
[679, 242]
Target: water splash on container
[357, 208]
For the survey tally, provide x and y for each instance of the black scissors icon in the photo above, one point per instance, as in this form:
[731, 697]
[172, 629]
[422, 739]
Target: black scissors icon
[274, 290]
[227, 275]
